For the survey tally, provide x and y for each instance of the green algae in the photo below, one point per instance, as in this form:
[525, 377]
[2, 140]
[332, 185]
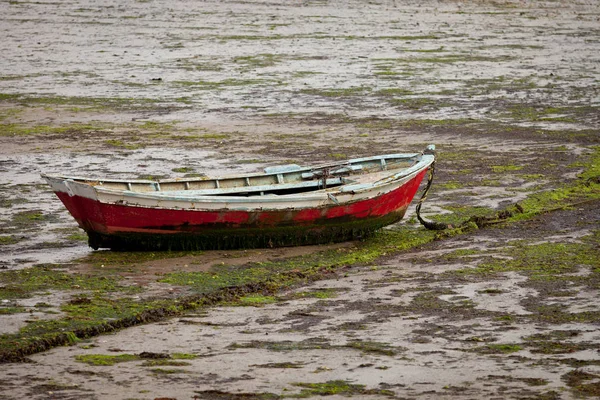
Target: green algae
[17, 129]
[583, 383]
[451, 185]
[12, 310]
[273, 273]
[77, 237]
[90, 103]
[372, 347]
[120, 259]
[27, 218]
[317, 294]
[216, 85]
[335, 92]
[182, 169]
[284, 346]
[497, 348]
[257, 61]
[537, 114]
[183, 356]
[556, 347]
[26, 282]
[122, 144]
[80, 320]
[150, 359]
[538, 260]
[501, 169]
[366, 347]
[256, 300]
[8, 239]
[337, 387]
[105, 360]
[449, 59]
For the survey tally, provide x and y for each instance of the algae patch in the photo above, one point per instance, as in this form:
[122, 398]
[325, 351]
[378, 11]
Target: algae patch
[337, 387]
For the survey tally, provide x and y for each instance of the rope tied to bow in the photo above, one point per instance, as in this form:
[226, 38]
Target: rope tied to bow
[431, 225]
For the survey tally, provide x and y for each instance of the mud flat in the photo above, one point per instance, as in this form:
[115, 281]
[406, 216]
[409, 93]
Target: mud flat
[502, 305]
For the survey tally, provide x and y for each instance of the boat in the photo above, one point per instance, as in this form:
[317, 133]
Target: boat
[282, 206]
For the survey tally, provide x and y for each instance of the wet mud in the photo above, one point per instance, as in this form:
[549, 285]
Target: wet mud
[501, 305]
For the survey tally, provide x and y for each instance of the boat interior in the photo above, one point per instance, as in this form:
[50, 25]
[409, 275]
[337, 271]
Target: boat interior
[279, 180]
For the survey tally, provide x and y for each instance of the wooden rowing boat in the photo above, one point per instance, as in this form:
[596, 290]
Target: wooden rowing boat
[283, 206]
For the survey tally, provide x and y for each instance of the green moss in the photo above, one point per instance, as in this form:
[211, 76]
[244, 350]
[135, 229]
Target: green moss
[91, 103]
[338, 156]
[15, 129]
[105, 360]
[555, 347]
[120, 143]
[12, 310]
[257, 61]
[395, 92]
[274, 273]
[583, 383]
[6, 240]
[417, 103]
[448, 59]
[77, 237]
[497, 349]
[28, 218]
[283, 346]
[459, 214]
[334, 92]
[537, 114]
[451, 185]
[318, 294]
[157, 126]
[371, 347]
[256, 300]
[182, 169]
[338, 387]
[183, 356]
[199, 137]
[208, 85]
[506, 168]
[25, 282]
[544, 259]
[367, 347]
[302, 74]
[118, 259]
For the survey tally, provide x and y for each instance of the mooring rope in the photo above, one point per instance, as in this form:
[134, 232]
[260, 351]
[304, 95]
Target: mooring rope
[431, 225]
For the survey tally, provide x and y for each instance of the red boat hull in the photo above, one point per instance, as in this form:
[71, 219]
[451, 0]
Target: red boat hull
[127, 227]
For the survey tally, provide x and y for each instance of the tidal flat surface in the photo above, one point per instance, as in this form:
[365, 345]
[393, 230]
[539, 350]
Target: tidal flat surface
[505, 305]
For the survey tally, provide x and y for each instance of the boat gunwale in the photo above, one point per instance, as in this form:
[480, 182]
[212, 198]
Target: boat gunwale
[343, 164]
[317, 195]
